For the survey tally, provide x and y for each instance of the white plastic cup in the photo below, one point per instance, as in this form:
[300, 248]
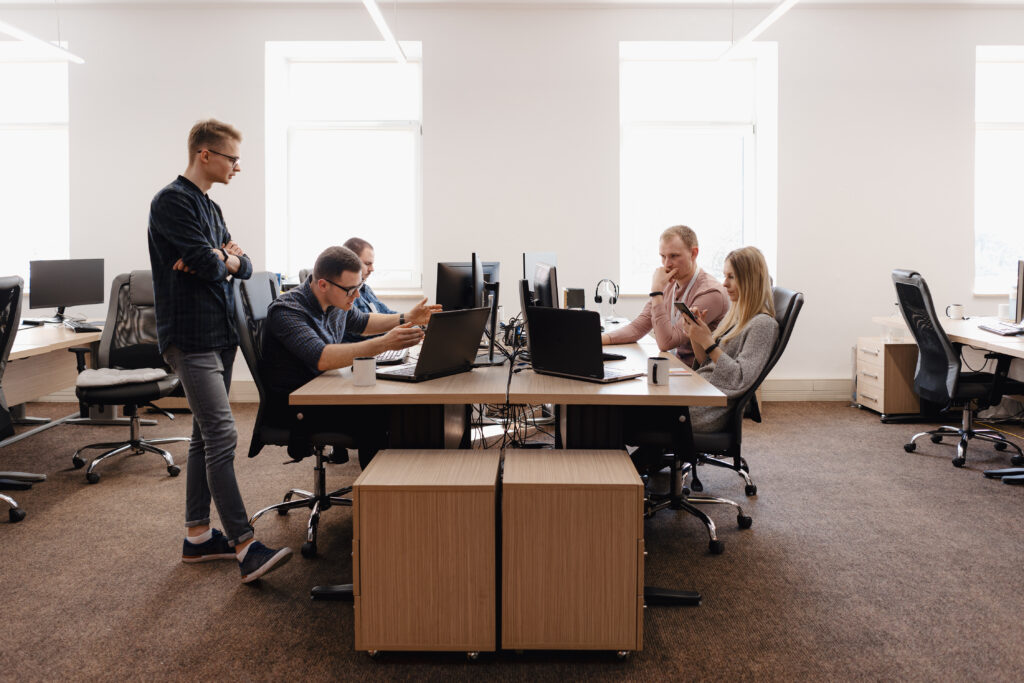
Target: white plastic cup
[657, 370]
[364, 371]
[955, 312]
[1004, 311]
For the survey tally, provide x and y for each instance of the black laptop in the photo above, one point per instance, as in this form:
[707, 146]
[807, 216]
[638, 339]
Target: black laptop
[449, 347]
[567, 342]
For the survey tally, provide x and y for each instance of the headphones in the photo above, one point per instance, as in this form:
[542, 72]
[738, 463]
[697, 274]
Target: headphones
[615, 291]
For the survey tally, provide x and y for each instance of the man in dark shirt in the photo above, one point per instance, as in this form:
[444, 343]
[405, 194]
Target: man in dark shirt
[303, 338]
[192, 255]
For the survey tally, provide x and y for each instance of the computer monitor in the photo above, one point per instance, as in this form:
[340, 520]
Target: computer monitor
[545, 286]
[457, 287]
[532, 258]
[1019, 316]
[65, 282]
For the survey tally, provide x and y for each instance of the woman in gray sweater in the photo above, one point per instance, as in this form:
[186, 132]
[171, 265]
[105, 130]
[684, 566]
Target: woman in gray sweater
[733, 355]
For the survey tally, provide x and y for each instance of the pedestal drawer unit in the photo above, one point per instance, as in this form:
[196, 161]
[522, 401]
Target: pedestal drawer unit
[885, 376]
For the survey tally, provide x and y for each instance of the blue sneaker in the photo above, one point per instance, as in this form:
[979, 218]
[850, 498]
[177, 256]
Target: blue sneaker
[216, 548]
[260, 560]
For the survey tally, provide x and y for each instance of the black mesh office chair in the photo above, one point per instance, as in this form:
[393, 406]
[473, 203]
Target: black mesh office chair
[10, 315]
[128, 342]
[252, 299]
[938, 377]
[723, 449]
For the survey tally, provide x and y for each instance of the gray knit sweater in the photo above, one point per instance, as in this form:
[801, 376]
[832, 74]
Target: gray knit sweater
[742, 359]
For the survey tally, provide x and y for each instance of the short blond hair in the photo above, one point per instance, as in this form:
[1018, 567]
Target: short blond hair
[686, 234]
[210, 132]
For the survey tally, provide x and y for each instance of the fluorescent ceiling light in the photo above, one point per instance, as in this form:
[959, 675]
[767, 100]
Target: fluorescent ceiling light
[772, 17]
[385, 32]
[15, 32]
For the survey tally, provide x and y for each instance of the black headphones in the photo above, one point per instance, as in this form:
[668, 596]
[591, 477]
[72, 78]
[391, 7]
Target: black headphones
[615, 291]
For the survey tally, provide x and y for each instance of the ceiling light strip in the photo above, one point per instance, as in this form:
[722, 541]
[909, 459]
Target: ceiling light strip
[15, 32]
[385, 32]
[772, 17]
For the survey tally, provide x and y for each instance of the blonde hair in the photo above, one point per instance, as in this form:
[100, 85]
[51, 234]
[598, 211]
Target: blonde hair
[755, 291]
[210, 131]
[687, 235]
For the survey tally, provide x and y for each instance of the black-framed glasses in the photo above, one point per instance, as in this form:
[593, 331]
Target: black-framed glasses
[348, 290]
[234, 160]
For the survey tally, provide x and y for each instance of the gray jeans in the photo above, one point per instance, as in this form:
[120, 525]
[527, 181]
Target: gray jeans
[206, 378]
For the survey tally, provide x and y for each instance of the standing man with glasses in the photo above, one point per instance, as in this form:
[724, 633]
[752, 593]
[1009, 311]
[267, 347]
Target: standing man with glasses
[192, 256]
[303, 337]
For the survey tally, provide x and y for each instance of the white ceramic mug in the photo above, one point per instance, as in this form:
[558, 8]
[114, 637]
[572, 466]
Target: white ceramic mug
[955, 312]
[364, 371]
[657, 370]
[1004, 312]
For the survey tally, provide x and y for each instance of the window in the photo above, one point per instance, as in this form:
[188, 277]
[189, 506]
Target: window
[34, 184]
[698, 148]
[343, 156]
[998, 168]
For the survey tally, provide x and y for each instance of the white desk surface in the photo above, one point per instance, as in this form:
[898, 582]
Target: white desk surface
[965, 332]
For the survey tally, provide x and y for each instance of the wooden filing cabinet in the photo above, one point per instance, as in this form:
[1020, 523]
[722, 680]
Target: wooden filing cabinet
[424, 551]
[572, 551]
[885, 376]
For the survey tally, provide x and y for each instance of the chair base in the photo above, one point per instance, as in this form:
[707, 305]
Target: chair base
[135, 445]
[964, 434]
[15, 514]
[316, 501]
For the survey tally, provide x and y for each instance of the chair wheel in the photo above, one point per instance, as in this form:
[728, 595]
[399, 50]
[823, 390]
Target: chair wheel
[282, 511]
[309, 549]
[744, 521]
[1017, 461]
[910, 447]
[959, 462]
[92, 477]
[77, 462]
[750, 490]
[173, 470]
[16, 515]
[1001, 446]
[936, 438]
[716, 547]
[696, 485]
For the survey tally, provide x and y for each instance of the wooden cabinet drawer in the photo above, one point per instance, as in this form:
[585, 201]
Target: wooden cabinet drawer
[885, 375]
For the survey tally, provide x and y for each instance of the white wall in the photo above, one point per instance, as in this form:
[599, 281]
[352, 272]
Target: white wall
[521, 137]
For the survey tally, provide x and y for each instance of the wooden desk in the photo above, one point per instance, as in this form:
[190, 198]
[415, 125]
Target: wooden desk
[965, 332]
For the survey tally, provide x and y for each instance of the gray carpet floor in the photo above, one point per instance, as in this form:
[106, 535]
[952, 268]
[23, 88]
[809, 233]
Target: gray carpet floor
[863, 563]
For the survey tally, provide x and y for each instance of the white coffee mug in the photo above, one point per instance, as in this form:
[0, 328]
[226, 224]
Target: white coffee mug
[955, 312]
[1004, 311]
[364, 371]
[657, 370]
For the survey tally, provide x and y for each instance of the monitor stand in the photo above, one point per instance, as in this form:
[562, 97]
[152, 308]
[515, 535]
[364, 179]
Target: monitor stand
[488, 359]
[57, 319]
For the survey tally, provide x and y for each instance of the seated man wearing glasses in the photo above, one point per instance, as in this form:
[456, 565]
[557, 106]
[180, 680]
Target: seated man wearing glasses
[303, 337]
[367, 301]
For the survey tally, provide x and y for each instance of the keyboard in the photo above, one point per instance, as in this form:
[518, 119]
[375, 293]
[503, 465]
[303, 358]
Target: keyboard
[81, 326]
[393, 357]
[1005, 329]
[407, 369]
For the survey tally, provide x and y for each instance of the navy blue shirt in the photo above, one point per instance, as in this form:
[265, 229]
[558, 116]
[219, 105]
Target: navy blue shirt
[194, 311]
[294, 337]
[367, 302]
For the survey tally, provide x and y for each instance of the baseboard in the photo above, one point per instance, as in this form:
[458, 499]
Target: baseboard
[244, 391]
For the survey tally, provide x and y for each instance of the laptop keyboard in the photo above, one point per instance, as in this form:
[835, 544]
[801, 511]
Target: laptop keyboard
[407, 369]
[393, 356]
[612, 372]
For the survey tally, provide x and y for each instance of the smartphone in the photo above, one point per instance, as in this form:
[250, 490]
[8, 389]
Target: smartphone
[686, 309]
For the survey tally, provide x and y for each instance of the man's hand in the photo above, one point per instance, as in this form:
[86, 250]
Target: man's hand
[233, 248]
[661, 278]
[420, 313]
[180, 265]
[402, 337]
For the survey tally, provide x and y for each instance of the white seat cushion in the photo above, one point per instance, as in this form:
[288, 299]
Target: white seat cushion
[108, 377]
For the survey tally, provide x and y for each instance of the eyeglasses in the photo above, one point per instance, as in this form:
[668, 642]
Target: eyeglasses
[234, 160]
[348, 290]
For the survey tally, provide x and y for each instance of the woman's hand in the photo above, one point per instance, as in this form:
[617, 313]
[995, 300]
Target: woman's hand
[698, 332]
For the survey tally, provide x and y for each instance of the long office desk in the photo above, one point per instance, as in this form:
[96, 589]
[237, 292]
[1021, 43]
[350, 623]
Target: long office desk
[40, 364]
[965, 332]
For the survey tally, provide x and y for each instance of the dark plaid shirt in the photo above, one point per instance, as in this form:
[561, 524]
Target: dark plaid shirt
[294, 337]
[194, 311]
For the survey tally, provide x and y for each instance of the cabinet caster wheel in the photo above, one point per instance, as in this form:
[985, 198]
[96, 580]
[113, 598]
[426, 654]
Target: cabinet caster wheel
[910, 447]
[1001, 446]
[1017, 461]
[716, 547]
[308, 549]
[16, 515]
[373, 654]
[92, 477]
[959, 462]
[936, 438]
[750, 490]
[621, 654]
[472, 656]
[77, 462]
[173, 470]
[744, 521]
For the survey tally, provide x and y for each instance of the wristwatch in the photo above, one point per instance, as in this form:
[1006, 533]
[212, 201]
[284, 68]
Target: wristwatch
[401, 318]
[656, 294]
[225, 252]
[711, 348]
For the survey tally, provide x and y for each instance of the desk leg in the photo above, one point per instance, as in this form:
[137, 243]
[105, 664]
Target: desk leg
[19, 418]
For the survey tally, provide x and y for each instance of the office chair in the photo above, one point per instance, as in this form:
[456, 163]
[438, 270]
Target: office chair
[252, 299]
[723, 448]
[10, 315]
[938, 377]
[128, 344]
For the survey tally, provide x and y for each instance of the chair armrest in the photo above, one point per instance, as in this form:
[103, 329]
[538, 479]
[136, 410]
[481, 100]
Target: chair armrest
[80, 352]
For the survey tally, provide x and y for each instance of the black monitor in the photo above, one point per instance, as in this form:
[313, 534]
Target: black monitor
[457, 288]
[65, 282]
[545, 286]
[1019, 315]
[532, 258]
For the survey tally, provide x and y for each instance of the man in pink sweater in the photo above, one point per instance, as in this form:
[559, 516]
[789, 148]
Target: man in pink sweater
[679, 279]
